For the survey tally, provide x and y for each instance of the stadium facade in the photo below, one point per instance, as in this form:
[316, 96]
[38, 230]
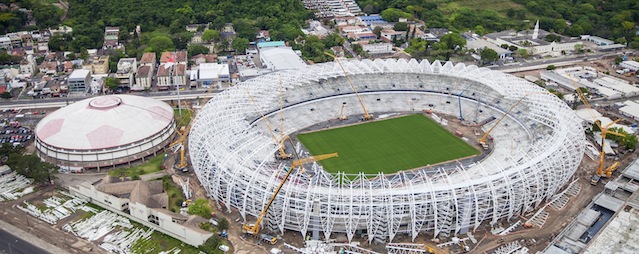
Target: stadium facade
[104, 131]
[537, 148]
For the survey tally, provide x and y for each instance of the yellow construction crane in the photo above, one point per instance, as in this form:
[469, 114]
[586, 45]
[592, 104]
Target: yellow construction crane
[254, 228]
[366, 116]
[604, 132]
[183, 132]
[282, 155]
[482, 140]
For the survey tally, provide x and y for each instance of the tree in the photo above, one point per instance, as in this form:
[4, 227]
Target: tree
[211, 245]
[551, 67]
[194, 50]
[378, 31]
[240, 44]
[630, 142]
[400, 26]
[159, 44]
[450, 43]
[245, 28]
[222, 224]
[201, 208]
[553, 37]
[488, 55]
[393, 15]
[5, 95]
[211, 35]
[32, 167]
[112, 83]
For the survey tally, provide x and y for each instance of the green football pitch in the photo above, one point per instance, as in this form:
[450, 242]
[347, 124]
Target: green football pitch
[386, 146]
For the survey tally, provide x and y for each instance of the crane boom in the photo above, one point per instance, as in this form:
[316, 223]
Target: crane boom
[482, 140]
[604, 132]
[367, 116]
[254, 229]
[282, 154]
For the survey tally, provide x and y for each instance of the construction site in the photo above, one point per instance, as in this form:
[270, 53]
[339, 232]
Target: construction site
[244, 150]
[407, 157]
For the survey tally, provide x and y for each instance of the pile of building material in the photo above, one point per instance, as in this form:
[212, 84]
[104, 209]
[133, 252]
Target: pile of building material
[13, 186]
[97, 226]
[57, 209]
[121, 241]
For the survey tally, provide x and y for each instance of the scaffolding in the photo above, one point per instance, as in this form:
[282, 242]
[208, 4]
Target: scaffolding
[232, 150]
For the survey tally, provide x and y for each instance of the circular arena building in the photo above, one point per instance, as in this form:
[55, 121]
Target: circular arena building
[536, 149]
[104, 131]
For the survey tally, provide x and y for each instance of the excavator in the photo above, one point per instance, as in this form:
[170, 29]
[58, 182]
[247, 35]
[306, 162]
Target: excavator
[254, 228]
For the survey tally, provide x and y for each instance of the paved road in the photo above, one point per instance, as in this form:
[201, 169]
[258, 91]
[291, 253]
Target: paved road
[11, 244]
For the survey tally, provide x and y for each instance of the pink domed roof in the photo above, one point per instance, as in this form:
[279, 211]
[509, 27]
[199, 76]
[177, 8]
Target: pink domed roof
[104, 122]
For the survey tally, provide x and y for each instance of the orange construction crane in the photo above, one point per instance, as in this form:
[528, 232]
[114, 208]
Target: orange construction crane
[366, 116]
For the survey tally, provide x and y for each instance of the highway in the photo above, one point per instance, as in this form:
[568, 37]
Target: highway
[11, 244]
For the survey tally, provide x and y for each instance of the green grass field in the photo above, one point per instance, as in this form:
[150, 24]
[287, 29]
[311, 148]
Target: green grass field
[386, 146]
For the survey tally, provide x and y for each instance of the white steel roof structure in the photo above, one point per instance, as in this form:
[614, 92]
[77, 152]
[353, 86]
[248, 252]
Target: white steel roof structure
[536, 149]
[104, 131]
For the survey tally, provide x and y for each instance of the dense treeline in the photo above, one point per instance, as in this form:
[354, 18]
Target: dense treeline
[89, 17]
[615, 19]
[45, 15]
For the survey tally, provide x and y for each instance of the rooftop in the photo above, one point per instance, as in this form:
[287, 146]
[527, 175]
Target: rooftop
[269, 44]
[148, 57]
[281, 58]
[79, 74]
[619, 236]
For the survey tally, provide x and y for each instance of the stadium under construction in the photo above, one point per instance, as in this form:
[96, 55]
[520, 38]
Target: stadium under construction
[534, 150]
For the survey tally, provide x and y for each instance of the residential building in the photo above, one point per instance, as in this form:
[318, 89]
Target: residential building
[180, 57]
[62, 29]
[148, 59]
[372, 20]
[143, 78]
[28, 66]
[392, 35]
[378, 48]
[111, 35]
[201, 58]
[170, 76]
[97, 64]
[145, 202]
[48, 67]
[79, 81]
[263, 35]
[196, 27]
[127, 67]
[333, 8]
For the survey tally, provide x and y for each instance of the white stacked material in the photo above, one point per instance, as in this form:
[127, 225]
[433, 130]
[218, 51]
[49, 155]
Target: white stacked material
[57, 209]
[97, 226]
[13, 186]
[121, 241]
[511, 247]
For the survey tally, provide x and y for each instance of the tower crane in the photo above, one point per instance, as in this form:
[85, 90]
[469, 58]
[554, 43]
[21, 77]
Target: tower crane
[607, 172]
[366, 116]
[254, 228]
